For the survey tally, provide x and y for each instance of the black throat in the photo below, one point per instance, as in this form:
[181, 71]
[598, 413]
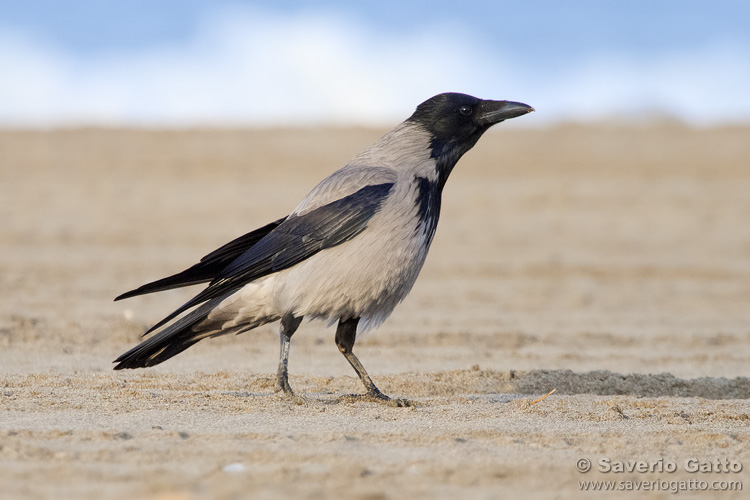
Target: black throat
[446, 154]
[429, 195]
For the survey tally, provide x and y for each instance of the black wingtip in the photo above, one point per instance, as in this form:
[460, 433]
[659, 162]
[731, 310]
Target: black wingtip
[167, 283]
[126, 295]
[178, 280]
[209, 266]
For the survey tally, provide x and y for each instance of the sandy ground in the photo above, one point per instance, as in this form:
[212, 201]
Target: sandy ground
[611, 263]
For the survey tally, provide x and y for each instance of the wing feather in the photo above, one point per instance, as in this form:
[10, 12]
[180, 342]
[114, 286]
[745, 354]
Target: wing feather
[297, 238]
[209, 266]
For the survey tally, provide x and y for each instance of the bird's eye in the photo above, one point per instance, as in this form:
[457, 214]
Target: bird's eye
[465, 110]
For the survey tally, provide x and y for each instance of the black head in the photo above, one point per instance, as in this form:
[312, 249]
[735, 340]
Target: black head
[455, 123]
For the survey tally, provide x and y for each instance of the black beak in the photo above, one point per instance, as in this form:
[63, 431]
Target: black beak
[492, 112]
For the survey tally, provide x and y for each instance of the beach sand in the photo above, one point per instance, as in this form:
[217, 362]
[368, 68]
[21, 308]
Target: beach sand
[609, 262]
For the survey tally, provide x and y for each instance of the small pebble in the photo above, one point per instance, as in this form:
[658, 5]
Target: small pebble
[235, 467]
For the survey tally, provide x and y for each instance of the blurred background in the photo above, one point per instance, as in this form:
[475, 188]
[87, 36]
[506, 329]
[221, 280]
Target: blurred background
[604, 235]
[183, 63]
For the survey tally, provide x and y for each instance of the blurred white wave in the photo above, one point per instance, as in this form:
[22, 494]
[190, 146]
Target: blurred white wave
[245, 67]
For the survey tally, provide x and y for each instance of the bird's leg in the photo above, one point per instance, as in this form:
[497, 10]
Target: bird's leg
[289, 325]
[346, 334]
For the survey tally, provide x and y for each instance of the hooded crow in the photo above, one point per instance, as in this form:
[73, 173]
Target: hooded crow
[350, 251]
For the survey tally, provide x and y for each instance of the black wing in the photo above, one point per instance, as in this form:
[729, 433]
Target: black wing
[294, 240]
[209, 266]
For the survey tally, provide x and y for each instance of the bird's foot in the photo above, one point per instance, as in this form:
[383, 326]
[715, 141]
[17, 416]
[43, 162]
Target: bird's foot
[289, 394]
[378, 397]
[282, 383]
[285, 388]
[400, 402]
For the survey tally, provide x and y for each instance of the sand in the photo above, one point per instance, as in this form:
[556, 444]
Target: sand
[608, 262]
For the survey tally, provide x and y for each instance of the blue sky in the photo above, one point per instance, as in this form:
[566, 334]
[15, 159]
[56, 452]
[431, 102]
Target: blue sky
[198, 62]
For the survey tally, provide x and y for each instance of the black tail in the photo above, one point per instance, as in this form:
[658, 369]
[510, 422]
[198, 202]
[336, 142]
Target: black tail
[172, 340]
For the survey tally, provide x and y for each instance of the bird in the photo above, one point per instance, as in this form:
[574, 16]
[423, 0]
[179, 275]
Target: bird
[349, 253]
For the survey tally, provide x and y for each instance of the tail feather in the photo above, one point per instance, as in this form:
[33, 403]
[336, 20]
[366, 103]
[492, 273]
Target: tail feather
[172, 340]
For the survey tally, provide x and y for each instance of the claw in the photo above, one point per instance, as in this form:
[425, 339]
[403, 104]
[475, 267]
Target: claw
[377, 397]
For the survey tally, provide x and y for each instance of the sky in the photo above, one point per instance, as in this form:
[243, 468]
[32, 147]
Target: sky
[170, 63]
